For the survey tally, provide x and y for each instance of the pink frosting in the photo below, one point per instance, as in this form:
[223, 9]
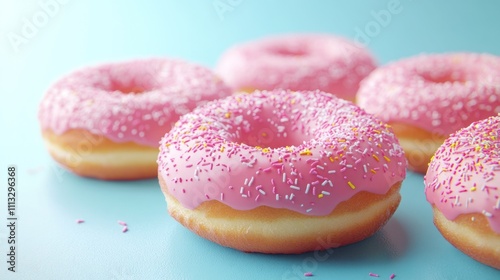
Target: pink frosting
[98, 99]
[440, 93]
[298, 62]
[464, 176]
[303, 151]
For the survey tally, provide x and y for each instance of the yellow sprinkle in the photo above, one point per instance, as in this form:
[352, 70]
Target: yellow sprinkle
[266, 150]
[473, 189]
[376, 131]
[205, 145]
[222, 148]
[341, 140]
[387, 158]
[227, 115]
[375, 157]
[351, 185]
[320, 195]
[292, 101]
[331, 159]
[305, 152]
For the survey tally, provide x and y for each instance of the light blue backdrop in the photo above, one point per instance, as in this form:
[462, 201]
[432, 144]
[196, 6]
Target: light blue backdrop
[42, 40]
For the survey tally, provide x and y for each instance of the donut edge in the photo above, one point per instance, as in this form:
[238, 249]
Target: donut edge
[312, 235]
[471, 234]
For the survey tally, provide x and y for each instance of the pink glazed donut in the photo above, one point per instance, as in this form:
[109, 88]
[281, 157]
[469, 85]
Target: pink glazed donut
[297, 62]
[463, 187]
[281, 172]
[106, 121]
[428, 97]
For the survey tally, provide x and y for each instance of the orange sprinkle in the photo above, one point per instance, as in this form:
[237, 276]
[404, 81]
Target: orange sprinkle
[375, 157]
[387, 158]
[227, 115]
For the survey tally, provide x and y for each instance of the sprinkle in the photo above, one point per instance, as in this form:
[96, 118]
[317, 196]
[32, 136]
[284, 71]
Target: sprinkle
[325, 193]
[307, 274]
[277, 197]
[251, 181]
[79, 221]
[122, 223]
[294, 187]
[387, 159]
[124, 229]
[373, 274]
[284, 177]
[487, 214]
[351, 185]
[392, 276]
[307, 188]
[320, 195]
[375, 157]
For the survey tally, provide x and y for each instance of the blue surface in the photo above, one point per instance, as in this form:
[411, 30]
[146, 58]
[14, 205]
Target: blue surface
[52, 246]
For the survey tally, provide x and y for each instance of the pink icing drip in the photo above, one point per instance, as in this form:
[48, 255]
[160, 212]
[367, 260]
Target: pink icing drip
[303, 151]
[97, 99]
[298, 62]
[464, 176]
[440, 93]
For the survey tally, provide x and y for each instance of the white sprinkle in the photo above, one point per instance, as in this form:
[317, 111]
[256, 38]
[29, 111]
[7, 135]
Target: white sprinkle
[284, 177]
[365, 168]
[221, 196]
[291, 196]
[325, 193]
[246, 182]
[262, 191]
[497, 206]
[294, 187]
[487, 214]
[251, 181]
[309, 210]
[324, 183]
[241, 190]
[319, 166]
[277, 197]
[244, 195]
[307, 188]
[330, 183]
[331, 171]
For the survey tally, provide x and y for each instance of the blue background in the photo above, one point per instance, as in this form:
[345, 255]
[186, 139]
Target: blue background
[52, 246]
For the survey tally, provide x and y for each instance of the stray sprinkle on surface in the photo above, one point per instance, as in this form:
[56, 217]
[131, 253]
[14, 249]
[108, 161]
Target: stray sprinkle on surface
[307, 274]
[79, 221]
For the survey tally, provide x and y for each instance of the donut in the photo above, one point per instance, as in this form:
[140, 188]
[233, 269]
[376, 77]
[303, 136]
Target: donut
[427, 97]
[297, 62]
[106, 121]
[281, 172]
[463, 187]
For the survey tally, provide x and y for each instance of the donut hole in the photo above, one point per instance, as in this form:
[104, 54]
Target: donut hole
[288, 52]
[441, 79]
[265, 129]
[446, 74]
